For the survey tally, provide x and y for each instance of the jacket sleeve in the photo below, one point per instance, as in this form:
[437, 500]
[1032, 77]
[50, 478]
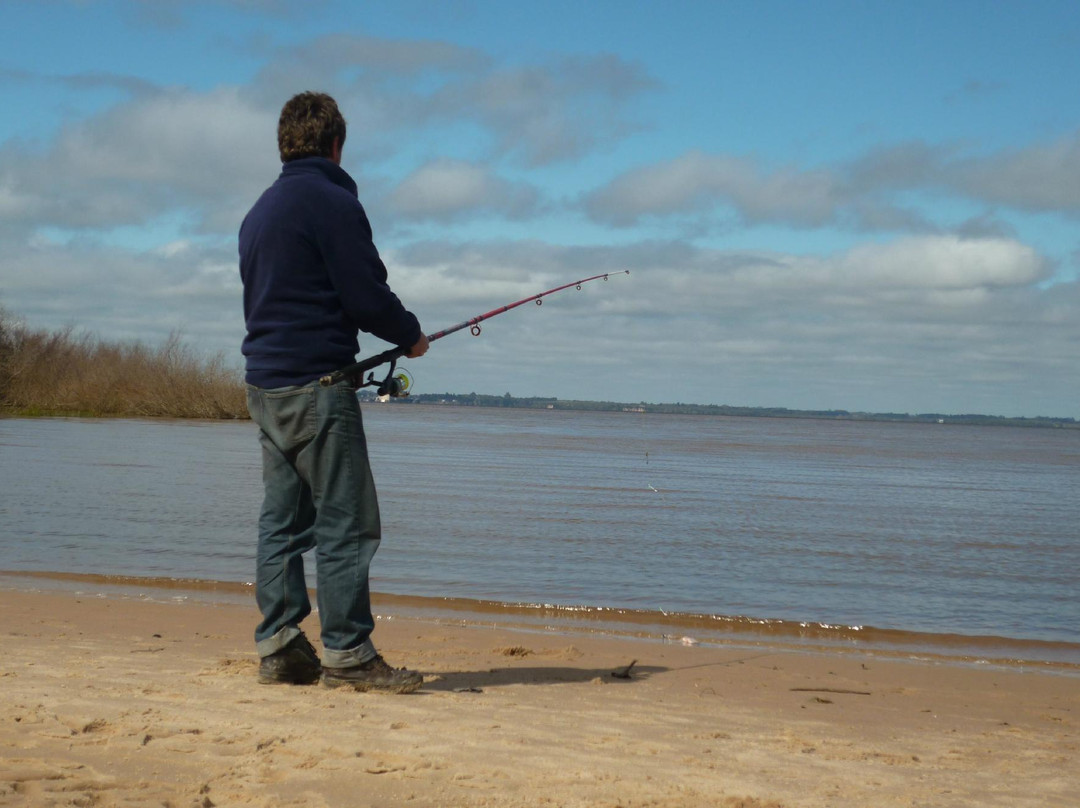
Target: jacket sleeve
[359, 276]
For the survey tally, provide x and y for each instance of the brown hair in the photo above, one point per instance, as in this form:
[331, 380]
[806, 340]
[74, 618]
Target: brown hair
[308, 125]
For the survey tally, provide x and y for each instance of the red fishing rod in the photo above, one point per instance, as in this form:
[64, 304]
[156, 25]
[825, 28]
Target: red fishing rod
[397, 386]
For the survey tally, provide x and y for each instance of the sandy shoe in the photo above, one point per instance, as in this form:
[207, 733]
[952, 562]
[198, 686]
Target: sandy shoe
[374, 674]
[295, 664]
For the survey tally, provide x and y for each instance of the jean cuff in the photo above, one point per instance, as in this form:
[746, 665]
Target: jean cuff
[271, 645]
[350, 657]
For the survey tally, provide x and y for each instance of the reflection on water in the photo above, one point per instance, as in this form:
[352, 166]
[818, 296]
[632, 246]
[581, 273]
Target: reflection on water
[923, 528]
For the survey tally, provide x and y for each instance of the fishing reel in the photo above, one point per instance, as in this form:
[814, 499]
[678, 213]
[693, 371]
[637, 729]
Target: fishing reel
[396, 384]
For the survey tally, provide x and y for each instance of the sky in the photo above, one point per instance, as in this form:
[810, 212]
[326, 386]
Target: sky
[869, 206]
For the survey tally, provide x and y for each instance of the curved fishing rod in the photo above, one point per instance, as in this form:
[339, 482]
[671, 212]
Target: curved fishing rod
[395, 387]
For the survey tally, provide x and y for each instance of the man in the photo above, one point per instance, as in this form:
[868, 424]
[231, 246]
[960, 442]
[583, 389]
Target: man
[312, 279]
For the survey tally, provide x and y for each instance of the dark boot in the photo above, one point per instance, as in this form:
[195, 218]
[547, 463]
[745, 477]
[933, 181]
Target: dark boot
[295, 664]
[374, 674]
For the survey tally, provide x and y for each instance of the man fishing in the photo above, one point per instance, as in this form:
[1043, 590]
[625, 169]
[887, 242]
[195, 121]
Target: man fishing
[312, 280]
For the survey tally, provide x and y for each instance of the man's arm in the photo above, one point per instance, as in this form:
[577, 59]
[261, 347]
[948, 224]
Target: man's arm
[359, 276]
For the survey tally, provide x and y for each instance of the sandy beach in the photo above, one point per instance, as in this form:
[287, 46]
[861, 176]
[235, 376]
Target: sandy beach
[115, 702]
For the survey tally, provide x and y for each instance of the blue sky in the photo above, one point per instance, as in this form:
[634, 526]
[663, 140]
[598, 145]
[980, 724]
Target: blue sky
[866, 206]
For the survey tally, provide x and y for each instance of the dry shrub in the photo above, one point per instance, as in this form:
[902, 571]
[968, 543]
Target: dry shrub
[61, 372]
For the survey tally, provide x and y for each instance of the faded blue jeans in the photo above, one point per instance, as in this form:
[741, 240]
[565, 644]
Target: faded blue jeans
[318, 494]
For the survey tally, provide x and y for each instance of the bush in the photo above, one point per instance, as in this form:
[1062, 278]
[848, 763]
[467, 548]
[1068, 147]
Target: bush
[64, 373]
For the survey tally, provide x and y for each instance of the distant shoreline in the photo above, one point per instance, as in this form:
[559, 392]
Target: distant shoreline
[574, 405]
[551, 403]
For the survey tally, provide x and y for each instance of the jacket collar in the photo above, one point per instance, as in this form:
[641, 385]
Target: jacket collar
[323, 167]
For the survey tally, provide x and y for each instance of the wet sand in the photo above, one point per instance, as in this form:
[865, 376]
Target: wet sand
[108, 701]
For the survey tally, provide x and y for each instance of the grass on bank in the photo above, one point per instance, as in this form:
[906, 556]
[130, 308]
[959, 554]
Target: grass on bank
[66, 373]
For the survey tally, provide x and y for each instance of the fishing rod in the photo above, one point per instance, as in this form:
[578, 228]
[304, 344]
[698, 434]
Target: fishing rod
[398, 386]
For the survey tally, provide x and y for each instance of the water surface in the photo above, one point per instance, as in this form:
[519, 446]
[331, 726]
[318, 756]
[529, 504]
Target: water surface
[925, 529]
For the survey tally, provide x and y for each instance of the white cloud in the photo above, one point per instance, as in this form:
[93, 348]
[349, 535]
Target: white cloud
[862, 194]
[160, 150]
[365, 60]
[698, 181]
[932, 324]
[942, 262]
[172, 150]
[903, 325]
[125, 294]
[543, 114]
[1042, 177]
[448, 190]
[537, 114]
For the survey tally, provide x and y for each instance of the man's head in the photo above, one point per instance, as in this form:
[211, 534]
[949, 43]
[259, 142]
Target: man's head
[310, 126]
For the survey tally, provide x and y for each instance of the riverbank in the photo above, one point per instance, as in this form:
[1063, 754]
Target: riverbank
[142, 702]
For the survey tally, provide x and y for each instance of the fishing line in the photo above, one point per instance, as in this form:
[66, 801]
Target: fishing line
[645, 440]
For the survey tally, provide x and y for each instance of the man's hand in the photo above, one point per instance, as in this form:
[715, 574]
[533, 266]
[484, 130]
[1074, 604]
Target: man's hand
[419, 349]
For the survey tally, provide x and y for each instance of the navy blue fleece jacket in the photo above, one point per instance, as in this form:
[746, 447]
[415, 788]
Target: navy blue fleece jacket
[313, 278]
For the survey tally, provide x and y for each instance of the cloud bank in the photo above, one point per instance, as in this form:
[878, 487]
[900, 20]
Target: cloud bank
[497, 181]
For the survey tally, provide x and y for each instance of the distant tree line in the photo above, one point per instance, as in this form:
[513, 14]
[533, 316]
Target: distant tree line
[679, 408]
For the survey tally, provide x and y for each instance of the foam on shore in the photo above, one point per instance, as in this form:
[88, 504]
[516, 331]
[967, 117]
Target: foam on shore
[641, 624]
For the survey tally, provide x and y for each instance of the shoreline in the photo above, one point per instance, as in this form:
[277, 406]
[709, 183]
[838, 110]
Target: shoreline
[1062, 658]
[110, 701]
[542, 403]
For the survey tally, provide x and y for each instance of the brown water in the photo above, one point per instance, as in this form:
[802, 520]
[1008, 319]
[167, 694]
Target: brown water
[913, 539]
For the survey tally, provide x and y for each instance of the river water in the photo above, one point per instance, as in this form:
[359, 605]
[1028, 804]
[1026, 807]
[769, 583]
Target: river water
[915, 536]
